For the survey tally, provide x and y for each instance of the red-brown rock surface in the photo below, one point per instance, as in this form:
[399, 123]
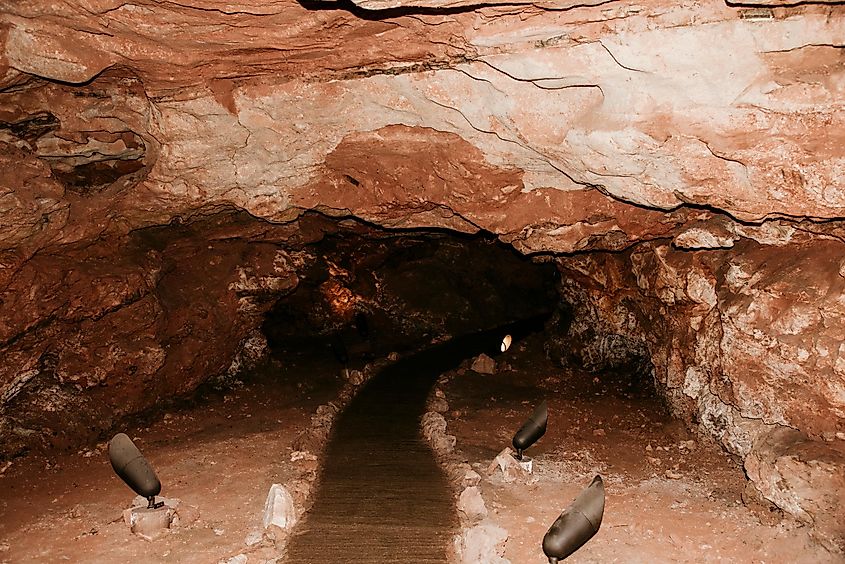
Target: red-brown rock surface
[93, 333]
[559, 127]
[253, 105]
[746, 342]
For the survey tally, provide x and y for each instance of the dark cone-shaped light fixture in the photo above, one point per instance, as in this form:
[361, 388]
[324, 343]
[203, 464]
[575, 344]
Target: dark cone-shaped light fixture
[531, 430]
[133, 468]
[577, 524]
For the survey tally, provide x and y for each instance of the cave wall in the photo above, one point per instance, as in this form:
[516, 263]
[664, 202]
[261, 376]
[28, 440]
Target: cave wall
[461, 120]
[92, 333]
[746, 342]
[758, 327]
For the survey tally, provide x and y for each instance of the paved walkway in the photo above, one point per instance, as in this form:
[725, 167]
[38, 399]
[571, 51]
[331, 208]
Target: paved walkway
[381, 496]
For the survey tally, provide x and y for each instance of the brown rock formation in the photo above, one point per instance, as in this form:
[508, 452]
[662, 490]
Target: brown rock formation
[803, 477]
[127, 129]
[654, 107]
[746, 342]
[92, 333]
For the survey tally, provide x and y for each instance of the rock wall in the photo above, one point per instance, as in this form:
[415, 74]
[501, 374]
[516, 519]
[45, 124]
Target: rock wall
[536, 123]
[746, 342]
[92, 333]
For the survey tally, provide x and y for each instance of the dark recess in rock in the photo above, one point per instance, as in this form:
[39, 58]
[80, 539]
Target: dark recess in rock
[32, 127]
[409, 287]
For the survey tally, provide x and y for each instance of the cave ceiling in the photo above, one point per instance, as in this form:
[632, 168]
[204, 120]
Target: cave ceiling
[556, 126]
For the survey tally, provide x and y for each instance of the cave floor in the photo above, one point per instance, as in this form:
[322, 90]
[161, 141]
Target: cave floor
[668, 499]
[381, 495]
[221, 453]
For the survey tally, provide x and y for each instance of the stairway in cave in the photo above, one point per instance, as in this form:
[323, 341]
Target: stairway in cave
[381, 495]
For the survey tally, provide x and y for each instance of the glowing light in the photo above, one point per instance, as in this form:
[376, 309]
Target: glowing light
[506, 342]
[341, 299]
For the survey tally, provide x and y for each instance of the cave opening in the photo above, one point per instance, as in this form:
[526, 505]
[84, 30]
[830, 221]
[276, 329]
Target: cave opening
[275, 335]
[363, 294]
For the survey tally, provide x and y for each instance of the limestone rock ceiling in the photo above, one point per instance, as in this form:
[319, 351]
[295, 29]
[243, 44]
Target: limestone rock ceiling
[539, 123]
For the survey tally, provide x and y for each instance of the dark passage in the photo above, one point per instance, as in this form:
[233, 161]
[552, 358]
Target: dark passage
[381, 496]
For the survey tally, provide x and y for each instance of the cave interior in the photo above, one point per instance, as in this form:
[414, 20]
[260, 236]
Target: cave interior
[220, 219]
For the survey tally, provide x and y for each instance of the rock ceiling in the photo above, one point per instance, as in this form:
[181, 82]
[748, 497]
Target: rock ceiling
[557, 126]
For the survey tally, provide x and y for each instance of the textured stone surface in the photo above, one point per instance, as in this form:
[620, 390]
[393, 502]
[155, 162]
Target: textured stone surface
[758, 328]
[279, 509]
[149, 524]
[512, 122]
[745, 342]
[483, 364]
[703, 143]
[434, 430]
[471, 504]
[482, 543]
[805, 478]
[538, 125]
[512, 470]
[117, 326]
